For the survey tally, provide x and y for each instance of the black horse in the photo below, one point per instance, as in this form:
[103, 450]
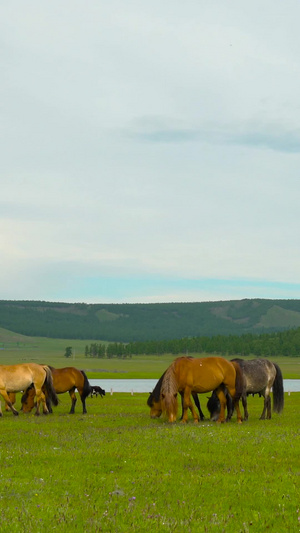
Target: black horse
[213, 405]
[260, 376]
[97, 391]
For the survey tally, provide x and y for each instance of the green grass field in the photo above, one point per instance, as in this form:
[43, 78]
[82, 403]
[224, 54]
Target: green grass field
[116, 470]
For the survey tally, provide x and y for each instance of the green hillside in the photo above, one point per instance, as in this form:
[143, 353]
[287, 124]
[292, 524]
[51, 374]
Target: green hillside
[143, 322]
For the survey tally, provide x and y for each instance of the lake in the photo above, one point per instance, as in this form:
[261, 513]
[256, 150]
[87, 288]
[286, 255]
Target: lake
[147, 385]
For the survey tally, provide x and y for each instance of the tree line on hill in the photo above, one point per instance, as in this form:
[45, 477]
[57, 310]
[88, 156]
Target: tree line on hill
[128, 323]
[283, 343]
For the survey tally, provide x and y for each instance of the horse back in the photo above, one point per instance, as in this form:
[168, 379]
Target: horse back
[204, 374]
[14, 378]
[64, 379]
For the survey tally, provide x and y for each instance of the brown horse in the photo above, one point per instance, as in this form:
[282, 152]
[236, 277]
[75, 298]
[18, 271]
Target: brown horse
[186, 375]
[64, 380]
[16, 378]
[155, 397]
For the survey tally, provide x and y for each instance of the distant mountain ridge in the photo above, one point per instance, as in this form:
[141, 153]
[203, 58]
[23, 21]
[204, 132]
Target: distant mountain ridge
[142, 322]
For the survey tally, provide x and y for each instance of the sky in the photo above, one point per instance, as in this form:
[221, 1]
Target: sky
[150, 151]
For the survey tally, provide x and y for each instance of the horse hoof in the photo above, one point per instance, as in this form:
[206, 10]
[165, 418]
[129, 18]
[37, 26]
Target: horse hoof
[16, 413]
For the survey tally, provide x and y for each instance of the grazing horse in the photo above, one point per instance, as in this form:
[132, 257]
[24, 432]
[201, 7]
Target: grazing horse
[213, 406]
[260, 375]
[97, 391]
[186, 375]
[16, 378]
[64, 380]
[155, 398]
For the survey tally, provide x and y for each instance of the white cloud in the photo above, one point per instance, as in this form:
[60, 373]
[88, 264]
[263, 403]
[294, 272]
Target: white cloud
[149, 139]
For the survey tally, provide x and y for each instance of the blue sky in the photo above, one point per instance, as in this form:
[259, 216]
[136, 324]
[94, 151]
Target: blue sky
[150, 151]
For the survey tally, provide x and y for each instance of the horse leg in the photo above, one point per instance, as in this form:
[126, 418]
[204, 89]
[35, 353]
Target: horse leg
[12, 397]
[6, 398]
[244, 402]
[236, 403]
[181, 394]
[48, 403]
[40, 398]
[222, 400]
[187, 404]
[84, 411]
[268, 407]
[73, 400]
[197, 403]
[266, 396]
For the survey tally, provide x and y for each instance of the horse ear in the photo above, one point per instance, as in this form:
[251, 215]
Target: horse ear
[175, 395]
[162, 395]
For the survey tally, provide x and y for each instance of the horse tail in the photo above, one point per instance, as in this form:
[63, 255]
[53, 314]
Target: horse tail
[49, 388]
[87, 389]
[278, 391]
[239, 381]
[169, 390]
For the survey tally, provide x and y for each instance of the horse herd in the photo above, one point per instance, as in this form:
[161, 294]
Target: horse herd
[229, 381]
[41, 384]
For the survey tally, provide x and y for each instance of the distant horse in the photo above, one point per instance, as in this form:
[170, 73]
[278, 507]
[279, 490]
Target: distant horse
[64, 380]
[260, 375]
[186, 375]
[16, 378]
[155, 397]
[97, 391]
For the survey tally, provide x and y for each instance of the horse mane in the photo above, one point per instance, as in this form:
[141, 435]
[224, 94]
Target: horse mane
[155, 394]
[169, 390]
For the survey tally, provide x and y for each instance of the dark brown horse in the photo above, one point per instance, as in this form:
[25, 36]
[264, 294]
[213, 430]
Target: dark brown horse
[186, 375]
[16, 378]
[64, 380]
[260, 375]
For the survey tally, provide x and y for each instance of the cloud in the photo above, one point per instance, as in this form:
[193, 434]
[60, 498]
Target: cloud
[273, 136]
[152, 142]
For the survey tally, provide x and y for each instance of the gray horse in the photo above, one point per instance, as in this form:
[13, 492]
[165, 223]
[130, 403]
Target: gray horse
[260, 376]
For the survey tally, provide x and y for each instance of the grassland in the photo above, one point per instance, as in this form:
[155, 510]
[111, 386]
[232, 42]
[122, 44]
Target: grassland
[116, 470]
[15, 348]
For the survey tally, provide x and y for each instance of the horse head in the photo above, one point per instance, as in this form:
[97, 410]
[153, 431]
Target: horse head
[213, 406]
[27, 399]
[155, 406]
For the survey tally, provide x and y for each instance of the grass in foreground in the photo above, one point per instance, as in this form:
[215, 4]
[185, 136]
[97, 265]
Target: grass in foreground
[116, 470]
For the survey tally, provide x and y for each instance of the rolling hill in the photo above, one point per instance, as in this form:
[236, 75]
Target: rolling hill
[142, 322]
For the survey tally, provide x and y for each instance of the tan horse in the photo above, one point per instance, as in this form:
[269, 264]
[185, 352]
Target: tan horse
[186, 375]
[16, 378]
[64, 380]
